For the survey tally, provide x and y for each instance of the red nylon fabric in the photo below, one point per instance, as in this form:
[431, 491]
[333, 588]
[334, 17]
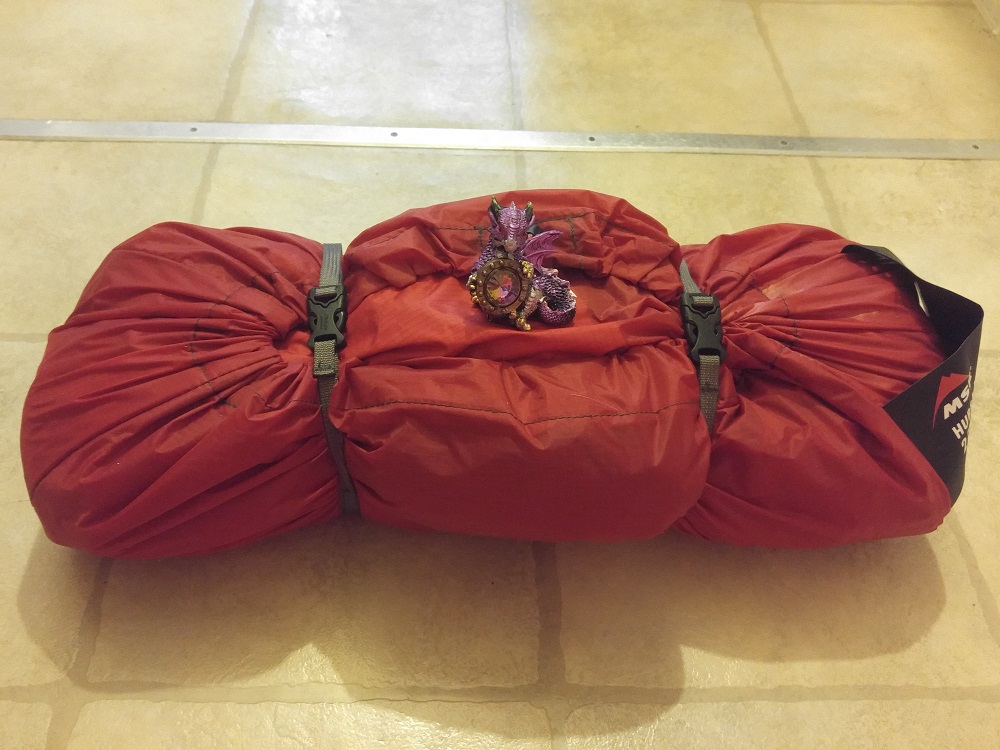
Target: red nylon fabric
[176, 413]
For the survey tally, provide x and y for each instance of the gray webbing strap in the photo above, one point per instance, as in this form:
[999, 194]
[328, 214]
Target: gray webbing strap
[703, 327]
[327, 318]
[330, 275]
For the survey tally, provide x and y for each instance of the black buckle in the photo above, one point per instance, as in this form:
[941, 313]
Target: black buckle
[327, 315]
[702, 318]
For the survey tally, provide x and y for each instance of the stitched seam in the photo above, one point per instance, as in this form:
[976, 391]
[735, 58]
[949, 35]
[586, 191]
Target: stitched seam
[272, 407]
[548, 220]
[568, 218]
[515, 417]
[572, 236]
[380, 240]
[606, 219]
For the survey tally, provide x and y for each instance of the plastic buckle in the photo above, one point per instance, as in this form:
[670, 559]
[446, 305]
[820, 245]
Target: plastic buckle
[327, 316]
[702, 318]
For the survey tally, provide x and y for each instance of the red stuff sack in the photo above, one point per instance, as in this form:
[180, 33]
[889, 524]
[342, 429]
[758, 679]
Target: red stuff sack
[176, 411]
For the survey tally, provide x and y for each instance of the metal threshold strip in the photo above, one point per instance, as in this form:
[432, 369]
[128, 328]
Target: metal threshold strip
[493, 140]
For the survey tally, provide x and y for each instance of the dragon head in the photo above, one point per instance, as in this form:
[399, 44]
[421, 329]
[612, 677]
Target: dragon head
[509, 226]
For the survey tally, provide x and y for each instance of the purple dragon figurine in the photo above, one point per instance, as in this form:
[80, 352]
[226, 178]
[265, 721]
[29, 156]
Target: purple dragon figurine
[509, 281]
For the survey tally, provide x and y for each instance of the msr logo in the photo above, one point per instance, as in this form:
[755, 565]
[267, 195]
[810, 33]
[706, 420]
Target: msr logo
[948, 385]
[952, 404]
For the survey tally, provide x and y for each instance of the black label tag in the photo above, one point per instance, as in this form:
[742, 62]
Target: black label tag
[935, 412]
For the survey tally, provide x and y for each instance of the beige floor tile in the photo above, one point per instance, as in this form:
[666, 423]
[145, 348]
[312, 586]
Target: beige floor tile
[118, 59]
[67, 204]
[354, 604]
[977, 507]
[990, 10]
[24, 726]
[889, 71]
[43, 593]
[940, 217]
[115, 725]
[332, 194]
[18, 363]
[697, 197]
[679, 612]
[686, 66]
[428, 63]
[45, 588]
[820, 725]
[881, 2]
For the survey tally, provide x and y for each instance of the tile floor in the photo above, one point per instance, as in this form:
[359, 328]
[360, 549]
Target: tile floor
[359, 637]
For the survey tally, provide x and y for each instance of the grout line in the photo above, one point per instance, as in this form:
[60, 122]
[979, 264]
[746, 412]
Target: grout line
[567, 698]
[551, 659]
[91, 624]
[914, 3]
[205, 184]
[23, 338]
[234, 84]
[70, 701]
[989, 10]
[513, 57]
[65, 715]
[837, 223]
[829, 201]
[514, 54]
[234, 81]
[987, 602]
[48, 692]
[852, 693]
[521, 171]
[779, 70]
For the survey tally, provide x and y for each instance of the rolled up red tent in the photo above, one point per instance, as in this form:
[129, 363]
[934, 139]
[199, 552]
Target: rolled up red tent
[176, 411]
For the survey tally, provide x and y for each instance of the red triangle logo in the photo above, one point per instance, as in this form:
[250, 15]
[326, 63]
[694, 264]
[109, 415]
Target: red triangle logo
[947, 385]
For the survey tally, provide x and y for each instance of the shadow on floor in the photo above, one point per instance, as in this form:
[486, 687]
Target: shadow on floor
[397, 614]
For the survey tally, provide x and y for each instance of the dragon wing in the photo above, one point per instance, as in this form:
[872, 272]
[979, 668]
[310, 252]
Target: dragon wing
[540, 247]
